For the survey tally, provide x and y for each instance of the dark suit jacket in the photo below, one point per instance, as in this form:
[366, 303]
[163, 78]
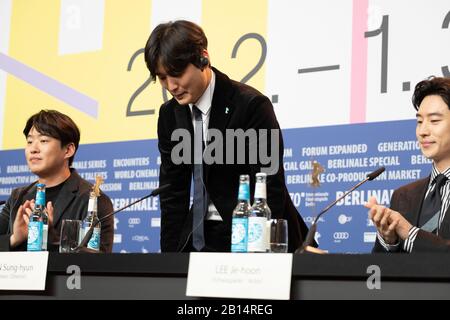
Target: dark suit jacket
[234, 106]
[408, 201]
[72, 203]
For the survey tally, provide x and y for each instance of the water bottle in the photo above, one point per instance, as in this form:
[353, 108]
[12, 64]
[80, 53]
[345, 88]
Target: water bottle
[239, 222]
[38, 225]
[91, 218]
[258, 227]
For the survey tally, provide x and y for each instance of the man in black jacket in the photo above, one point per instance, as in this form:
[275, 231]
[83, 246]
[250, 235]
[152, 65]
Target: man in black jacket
[52, 141]
[208, 104]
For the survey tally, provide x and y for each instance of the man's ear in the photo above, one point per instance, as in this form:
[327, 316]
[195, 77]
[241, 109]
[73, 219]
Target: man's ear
[70, 150]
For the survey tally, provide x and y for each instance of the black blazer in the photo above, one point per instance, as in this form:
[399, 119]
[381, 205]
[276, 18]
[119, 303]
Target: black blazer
[72, 203]
[408, 201]
[234, 106]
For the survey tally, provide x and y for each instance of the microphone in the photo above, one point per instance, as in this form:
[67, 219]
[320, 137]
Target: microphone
[2, 202]
[82, 245]
[373, 175]
[309, 240]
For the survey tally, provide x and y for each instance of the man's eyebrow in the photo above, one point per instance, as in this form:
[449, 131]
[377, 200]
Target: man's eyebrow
[38, 135]
[430, 114]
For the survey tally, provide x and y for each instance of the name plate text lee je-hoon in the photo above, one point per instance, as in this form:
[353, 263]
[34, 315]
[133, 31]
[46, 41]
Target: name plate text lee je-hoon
[240, 275]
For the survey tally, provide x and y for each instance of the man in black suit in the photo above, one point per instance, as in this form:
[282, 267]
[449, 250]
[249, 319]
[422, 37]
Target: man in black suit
[419, 218]
[205, 98]
[52, 141]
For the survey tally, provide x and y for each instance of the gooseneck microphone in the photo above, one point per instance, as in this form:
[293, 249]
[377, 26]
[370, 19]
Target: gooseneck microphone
[82, 245]
[309, 240]
[2, 202]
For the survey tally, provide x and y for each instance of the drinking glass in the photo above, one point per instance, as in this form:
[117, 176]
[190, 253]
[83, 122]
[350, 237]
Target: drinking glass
[70, 231]
[278, 235]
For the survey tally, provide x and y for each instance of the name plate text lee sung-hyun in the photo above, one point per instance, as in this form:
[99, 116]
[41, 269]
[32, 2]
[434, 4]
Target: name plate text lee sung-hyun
[23, 270]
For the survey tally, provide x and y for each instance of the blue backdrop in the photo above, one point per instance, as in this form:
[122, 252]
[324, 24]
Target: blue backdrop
[347, 153]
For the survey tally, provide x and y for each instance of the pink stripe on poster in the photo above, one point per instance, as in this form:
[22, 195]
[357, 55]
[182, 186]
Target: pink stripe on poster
[359, 62]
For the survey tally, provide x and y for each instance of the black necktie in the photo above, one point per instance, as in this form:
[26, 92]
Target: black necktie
[432, 205]
[199, 205]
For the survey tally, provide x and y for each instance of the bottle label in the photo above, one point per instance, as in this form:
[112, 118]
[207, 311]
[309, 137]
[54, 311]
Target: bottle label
[92, 204]
[244, 191]
[40, 198]
[268, 224]
[257, 234]
[44, 236]
[34, 236]
[260, 191]
[239, 235]
[81, 234]
[94, 242]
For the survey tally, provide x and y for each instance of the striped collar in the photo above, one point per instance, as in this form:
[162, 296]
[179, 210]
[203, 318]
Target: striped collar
[435, 172]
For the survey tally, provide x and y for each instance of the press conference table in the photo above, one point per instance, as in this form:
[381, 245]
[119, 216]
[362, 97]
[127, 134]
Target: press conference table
[164, 276]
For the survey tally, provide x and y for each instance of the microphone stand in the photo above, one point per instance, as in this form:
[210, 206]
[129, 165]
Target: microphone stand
[309, 239]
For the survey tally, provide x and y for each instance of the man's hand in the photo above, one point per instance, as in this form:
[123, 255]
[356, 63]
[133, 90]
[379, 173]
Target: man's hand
[402, 226]
[380, 216]
[389, 223]
[20, 226]
[50, 213]
[314, 250]
[52, 234]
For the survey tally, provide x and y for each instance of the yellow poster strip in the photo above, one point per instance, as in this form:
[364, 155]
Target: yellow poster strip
[115, 77]
[225, 22]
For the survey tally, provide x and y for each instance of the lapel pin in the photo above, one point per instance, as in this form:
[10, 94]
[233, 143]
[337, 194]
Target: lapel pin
[227, 110]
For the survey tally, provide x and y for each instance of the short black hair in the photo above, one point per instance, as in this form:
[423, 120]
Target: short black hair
[432, 86]
[57, 125]
[174, 45]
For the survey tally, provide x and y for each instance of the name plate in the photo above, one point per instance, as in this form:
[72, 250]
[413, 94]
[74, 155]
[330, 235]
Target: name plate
[240, 275]
[23, 270]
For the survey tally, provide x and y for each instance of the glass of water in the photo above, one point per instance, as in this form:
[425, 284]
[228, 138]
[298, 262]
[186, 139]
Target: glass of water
[70, 230]
[278, 235]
